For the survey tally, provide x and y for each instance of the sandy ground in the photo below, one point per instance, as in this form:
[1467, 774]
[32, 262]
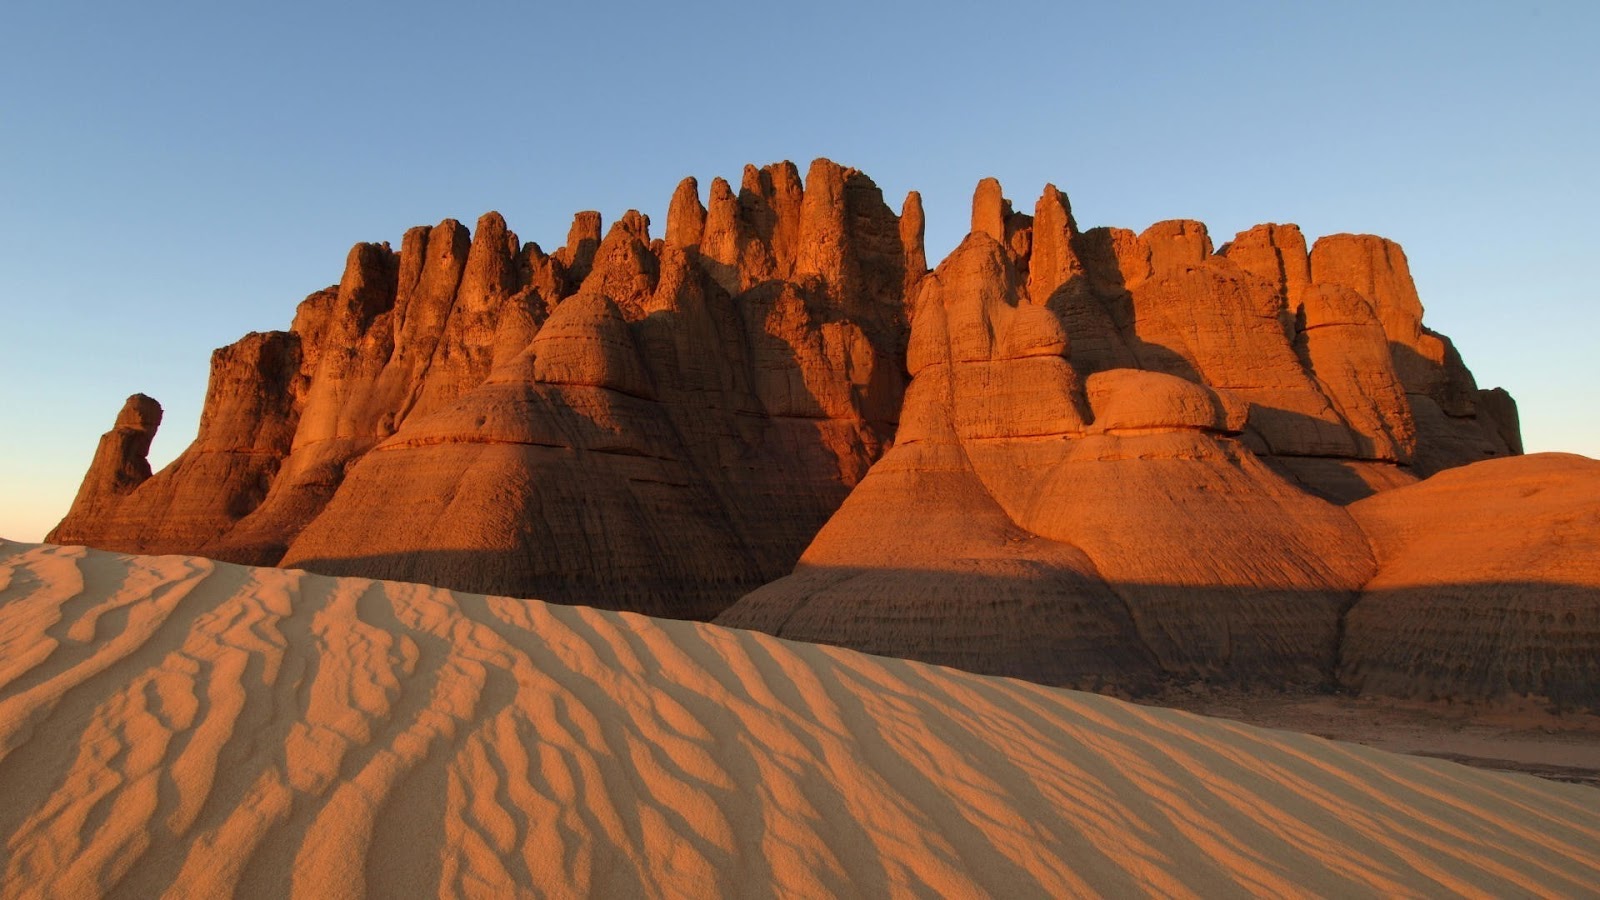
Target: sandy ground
[172, 726]
[1513, 737]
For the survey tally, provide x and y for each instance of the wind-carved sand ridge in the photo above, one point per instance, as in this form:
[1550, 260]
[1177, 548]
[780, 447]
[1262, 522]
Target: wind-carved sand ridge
[181, 726]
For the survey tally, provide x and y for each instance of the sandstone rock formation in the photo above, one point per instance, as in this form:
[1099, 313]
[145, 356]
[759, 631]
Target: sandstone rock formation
[1030, 524]
[1123, 459]
[122, 461]
[1488, 584]
[1116, 458]
[653, 425]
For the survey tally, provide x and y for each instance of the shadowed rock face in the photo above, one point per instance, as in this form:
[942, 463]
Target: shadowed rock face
[1129, 459]
[653, 425]
[1120, 457]
[1488, 583]
[1115, 529]
[121, 461]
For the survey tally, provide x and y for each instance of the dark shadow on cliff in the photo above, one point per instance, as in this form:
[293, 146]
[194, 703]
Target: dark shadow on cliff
[1447, 641]
[1458, 642]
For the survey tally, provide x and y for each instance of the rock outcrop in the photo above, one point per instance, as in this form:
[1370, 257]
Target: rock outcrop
[1488, 585]
[1127, 459]
[121, 461]
[1113, 530]
[653, 425]
[1091, 457]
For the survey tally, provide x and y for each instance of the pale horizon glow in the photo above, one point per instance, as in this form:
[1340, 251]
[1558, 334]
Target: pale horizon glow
[177, 177]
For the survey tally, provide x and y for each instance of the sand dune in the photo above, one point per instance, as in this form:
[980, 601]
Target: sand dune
[170, 725]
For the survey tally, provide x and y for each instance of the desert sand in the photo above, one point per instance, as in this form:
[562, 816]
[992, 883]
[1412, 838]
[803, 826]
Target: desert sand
[172, 725]
[1525, 735]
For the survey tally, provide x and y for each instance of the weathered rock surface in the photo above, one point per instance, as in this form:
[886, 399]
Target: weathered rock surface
[246, 426]
[121, 461]
[1451, 429]
[1126, 458]
[1107, 459]
[655, 425]
[1488, 584]
[1026, 524]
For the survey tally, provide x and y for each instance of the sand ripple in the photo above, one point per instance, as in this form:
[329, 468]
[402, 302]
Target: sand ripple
[174, 726]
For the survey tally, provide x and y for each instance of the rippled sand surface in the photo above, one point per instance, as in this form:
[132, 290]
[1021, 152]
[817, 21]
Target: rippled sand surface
[170, 725]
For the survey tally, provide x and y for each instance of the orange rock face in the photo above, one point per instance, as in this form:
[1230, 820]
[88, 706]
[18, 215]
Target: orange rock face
[1108, 531]
[652, 425]
[1087, 457]
[121, 462]
[1125, 459]
[1488, 584]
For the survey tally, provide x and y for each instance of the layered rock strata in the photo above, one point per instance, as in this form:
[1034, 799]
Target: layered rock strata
[656, 425]
[1121, 457]
[1131, 459]
[1488, 585]
[1030, 521]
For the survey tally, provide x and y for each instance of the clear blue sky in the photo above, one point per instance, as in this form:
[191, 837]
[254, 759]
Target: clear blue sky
[175, 175]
